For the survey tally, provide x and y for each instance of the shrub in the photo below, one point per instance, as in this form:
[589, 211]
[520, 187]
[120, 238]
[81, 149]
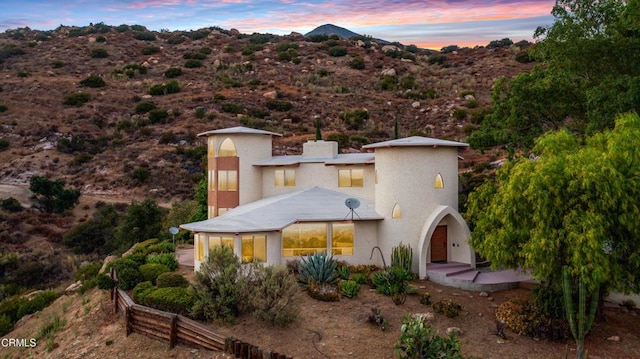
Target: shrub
[524, 57]
[175, 300]
[337, 51]
[150, 50]
[360, 278]
[343, 272]
[162, 247]
[437, 59]
[357, 63]
[77, 99]
[195, 56]
[11, 205]
[6, 325]
[418, 340]
[141, 291]
[171, 279]
[158, 115]
[499, 43]
[144, 107]
[192, 63]
[218, 286]
[172, 86]
[93, 81]
[151, 271]
[349, 288]
[128, 278]
[103, 281]
[52, 194]
[4, 108]
[459, 114]
[281, 106]
[450, 48]
[393, 282]
[354, 119]
[140, 174]
[101, 39]
[175, 40]
[447, 307]
[274, 295]
[232, 108]
[168, 259]
[173, 72]
[88, 271]
[37, 303]
[318, 269]
[425, 298]
[99, 53]
[388, 83]
[10, 306]
[144, 36]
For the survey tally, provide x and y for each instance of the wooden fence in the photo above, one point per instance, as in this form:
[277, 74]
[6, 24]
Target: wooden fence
[174, 328]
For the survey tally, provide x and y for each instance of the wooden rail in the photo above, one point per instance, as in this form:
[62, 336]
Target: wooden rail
[174, 328]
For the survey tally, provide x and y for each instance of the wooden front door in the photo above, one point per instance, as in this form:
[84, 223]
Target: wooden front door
[439, 244]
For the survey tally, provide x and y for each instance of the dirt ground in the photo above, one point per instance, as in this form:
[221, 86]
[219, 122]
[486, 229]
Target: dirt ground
[324, 330]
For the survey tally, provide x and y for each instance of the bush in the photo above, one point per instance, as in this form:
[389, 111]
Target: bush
[232, 108]
[151, 271]
[11, 205]
[128, 278]
[447, 307]
[173, 72]
[158, 115]
[357, 63]
[171, 279]
[103, 281]
[150, 50]
[99, 53]
[172, 86]
[274, 295]
[282, 106]
[318, 269]
[162, 247]
[425, 298]
[354, 119]
[52, 194]
[93, 81]
[360, 278]
[437, 59]
[349, 288]
[337, 51]
[77, 99]
[393, 282]
[88, 271]
[144, 107]
[144, 36]
[141, 291]
[37, 303]
[218, 286]
[4, 108]
[6, 325]
[192, 63]
[459, 114]
[418, 340]
[171, 299]
[10, 306]
[168, 259]
[140, 174]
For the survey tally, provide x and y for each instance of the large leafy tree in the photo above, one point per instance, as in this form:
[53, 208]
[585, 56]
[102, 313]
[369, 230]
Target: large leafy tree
[142, 221]
[574, 203]
[588, 73]
[52, 194]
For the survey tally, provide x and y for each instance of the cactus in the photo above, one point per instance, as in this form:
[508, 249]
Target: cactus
[402, 256]
[581, 325]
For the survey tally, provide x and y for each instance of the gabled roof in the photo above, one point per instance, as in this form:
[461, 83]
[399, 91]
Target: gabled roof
[315, 204]
[239, 130]
[341, 159]
[416, 141]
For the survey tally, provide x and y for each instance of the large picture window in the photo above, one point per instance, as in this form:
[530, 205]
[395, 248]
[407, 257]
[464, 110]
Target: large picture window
[199, 247]
[351, 178]
[342, 235]
[304, 238]
[254, 249]
[285, 178]
[227, 180]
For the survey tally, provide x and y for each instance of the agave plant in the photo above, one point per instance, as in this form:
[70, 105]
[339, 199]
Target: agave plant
[318, 269]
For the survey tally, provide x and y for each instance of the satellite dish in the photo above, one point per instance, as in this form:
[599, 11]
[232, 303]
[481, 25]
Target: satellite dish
[174, 230]
[352, 203]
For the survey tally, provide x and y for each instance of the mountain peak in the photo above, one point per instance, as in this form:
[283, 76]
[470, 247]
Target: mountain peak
[330, 29]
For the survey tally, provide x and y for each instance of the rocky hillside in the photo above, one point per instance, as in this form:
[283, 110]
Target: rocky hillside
[116, 110]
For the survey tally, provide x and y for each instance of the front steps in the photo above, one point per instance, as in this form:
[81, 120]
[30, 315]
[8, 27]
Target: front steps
[463, 276]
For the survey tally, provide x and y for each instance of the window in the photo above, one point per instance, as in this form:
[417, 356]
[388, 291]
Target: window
[211, 180]
[211, 211]
[227, 180]
[396, 213]
[285, 178]
[342, 239]
[304, 238]
[227, 149]
[217, 241]
[254, 249]
[439, 182]
[211, 147]
[351, 178]
[199, 247]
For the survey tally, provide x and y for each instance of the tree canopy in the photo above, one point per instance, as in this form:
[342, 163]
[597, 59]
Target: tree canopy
[588, 73]
[52, 195]
[575, 203]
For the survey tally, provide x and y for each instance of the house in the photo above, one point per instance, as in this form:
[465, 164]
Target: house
[273, 209]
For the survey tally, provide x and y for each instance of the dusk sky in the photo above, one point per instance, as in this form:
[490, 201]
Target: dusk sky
[429, 24]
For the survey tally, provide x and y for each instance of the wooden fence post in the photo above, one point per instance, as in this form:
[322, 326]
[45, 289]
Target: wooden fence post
[173, 335]
[127, 318]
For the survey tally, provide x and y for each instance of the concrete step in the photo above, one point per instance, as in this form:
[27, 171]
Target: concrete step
[467, 275]
[460, 271]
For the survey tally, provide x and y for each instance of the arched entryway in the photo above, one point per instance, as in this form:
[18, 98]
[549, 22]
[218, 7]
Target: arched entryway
[444, 237]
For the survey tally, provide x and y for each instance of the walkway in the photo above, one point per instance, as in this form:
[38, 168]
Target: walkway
[185, 257]
[465, 277]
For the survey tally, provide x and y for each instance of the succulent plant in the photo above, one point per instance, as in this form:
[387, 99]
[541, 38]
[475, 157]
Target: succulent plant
[318, 269]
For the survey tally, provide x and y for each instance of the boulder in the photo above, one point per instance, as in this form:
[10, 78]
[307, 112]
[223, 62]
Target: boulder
[106, 262]
[389, 72]
[73, 288]
[272, 95]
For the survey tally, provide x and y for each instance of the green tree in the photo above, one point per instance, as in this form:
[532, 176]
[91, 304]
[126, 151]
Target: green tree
[96, 234]
[574, 204]
[180, 212]
[52, 195]
[588, 74]
[201, 199]
[142, 221]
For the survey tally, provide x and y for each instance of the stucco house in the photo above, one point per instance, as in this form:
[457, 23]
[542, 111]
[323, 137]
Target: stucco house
[276, 208]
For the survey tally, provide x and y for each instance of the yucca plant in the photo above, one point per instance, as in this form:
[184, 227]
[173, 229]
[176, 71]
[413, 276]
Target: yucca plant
[318, 269]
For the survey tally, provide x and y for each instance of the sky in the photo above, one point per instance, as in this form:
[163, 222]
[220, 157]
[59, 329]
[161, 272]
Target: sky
[425, 23]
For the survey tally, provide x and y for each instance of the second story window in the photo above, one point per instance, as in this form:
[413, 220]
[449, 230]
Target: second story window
[351, 178]
[285, 178]
[227, 180]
